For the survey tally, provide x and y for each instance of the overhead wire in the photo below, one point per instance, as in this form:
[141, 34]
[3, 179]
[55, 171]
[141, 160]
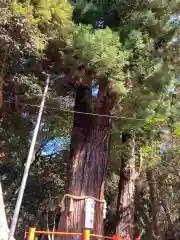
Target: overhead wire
[85, 113]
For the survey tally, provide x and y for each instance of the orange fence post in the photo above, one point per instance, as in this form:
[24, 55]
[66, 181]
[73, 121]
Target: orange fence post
[116, 237]
[31, 233]
[86, 234]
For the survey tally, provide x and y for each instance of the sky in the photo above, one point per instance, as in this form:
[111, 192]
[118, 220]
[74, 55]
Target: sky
[54, 146]
[95, 89]
[176, 19]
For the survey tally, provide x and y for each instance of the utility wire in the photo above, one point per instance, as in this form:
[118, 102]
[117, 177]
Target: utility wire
[85, 113]
[72, 111]
[28, 164]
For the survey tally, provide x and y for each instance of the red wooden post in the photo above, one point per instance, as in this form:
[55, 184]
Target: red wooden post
[116, 237]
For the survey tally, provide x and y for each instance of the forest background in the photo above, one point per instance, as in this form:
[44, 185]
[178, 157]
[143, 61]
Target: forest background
[118, 62]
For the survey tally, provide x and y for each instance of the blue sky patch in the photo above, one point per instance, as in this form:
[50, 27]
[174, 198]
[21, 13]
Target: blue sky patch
[95, 89]
[55, 146]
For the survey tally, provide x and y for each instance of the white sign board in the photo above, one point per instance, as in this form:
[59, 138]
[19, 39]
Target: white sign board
[104, 210]
[89, 213]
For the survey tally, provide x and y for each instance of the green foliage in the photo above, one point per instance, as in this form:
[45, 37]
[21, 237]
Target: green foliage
[154, 122]
[27, 85]
[47, 174]
[85, 12]
[53, 17]
[177, 132]
[151, 154]
[101, 51]
[59, 10]
[5, 12]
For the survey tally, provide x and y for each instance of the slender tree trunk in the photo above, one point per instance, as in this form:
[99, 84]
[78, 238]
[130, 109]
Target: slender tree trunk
[153, 203]
[89, 156]
[126, 197]
[3, 220]
[171, 228]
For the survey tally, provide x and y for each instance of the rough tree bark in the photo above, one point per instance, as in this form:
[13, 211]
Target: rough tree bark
[154, 205]
[126, 196]
[89, 156]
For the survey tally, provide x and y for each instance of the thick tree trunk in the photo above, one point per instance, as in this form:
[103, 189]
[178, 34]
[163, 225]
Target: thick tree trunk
[89, 156]
[126, 197]
[3, 220]
[154, 205]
